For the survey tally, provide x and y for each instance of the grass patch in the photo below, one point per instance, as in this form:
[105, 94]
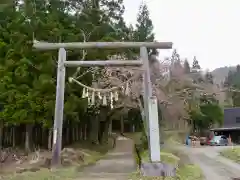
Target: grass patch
[93, 153]
[136, 137]
[165, 157]
[232, 154]
[190, 172]
[175, 136]
[185, 170]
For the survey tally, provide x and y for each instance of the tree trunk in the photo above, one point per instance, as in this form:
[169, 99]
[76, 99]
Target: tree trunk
[141, 107]
[110, 128]
[43, 140]
[5, 136]
[94, 130]
[73, 134]
[50, 139]
[122, 124]
[81, 132]
[85, 131]
[13, 137]
[67, 136]
[1, 134]
[28, 134]
[77, 133]
[104, 139]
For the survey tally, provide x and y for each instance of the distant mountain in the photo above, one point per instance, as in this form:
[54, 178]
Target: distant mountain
[219, 74]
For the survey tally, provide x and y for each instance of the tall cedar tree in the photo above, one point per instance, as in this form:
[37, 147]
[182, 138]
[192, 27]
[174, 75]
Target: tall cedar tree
[195, 64]
[186, 65]
[144, 26]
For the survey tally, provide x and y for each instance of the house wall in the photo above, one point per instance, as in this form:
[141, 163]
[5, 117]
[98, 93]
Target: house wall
[231, 117]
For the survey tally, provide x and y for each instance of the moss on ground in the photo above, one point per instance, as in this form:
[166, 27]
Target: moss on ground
[232, 154]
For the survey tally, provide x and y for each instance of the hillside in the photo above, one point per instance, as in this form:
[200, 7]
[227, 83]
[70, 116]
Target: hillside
[219, 74]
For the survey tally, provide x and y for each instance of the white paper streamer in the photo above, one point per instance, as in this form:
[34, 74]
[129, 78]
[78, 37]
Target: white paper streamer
[84, 93]
[111, 100]
[127, 89]
[105, 100]
[99, 95]
[116, 96]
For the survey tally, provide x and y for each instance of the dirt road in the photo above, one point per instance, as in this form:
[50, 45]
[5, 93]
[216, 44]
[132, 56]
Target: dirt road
[213, 165]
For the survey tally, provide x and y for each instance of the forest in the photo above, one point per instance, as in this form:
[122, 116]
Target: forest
[28, 77]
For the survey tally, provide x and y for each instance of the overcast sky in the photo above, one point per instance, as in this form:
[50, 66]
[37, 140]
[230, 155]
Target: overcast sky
[208, 29]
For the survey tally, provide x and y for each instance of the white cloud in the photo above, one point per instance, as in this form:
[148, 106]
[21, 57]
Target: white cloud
[207, 29]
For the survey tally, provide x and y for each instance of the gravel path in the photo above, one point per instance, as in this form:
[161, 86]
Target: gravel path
[117, 165]
[213, 165]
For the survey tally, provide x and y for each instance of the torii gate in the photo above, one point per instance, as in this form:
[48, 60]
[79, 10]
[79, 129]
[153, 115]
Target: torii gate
[150, 102]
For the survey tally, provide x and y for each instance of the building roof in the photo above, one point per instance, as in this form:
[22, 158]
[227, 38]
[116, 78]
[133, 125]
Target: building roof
[226, 128]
